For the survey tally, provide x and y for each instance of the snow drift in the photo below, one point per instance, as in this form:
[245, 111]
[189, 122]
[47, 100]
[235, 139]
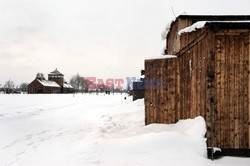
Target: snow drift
[78, 130]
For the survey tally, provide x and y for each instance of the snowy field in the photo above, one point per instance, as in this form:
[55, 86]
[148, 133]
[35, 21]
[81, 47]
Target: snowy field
[82, 130]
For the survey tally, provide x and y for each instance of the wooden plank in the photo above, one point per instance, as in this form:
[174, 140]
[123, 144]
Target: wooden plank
[218, 90]
[184, 87]
[193, 96]
[246, 99]
[156, 95]
[248, 107]
[227, 90]
[188, 87]
[178, 90]
[165, 92]
[241, 95]
[248, 91]
[206, 55]
[147, 92]
[158, 92]
[169, 91]
[157, 103]
[181, 86]
[236, 91]
[231, 90]
[195, 77]
[167, 95]
[211, 77]
[203, 76]
[210, 90]
[173, 91]
[222, 98]
[163, 101]
[153, 97]
[150, 94]
[198, 78]
[203, 51]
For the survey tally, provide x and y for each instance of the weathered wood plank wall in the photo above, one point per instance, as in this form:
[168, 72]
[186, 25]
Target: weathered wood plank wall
[184, 83]
[161, 104]
[232, 93]
[209, 67]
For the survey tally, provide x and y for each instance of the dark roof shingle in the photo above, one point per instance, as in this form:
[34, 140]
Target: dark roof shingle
[55, 73]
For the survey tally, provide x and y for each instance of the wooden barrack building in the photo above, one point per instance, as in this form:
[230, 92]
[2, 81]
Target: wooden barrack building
[209, 77]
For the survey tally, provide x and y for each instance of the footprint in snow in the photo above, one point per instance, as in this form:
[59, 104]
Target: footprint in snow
[45, 131]
[12, 144]
[31, 143]
[28, 137]
[21, 153]
[59, 134]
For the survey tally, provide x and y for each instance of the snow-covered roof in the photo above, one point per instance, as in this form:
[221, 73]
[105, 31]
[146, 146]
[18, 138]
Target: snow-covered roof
[197, 25]
[201, 24]
[66, 85]
[201, 21]
[166, 30]
[49, 83]
[56, 72]
[163, 57]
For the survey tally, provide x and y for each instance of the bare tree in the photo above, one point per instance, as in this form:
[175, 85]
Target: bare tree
[1, 88]
[40, 76]
[83, 84]
[24, 87]
[9, 86]
[79, 83]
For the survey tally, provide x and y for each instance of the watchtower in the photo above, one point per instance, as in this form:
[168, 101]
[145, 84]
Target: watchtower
[56, 76]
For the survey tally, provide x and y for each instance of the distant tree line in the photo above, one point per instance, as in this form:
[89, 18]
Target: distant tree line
[79, 83]
[10, 87]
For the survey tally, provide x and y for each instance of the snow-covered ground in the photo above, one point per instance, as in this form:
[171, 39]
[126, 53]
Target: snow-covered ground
[82, 130]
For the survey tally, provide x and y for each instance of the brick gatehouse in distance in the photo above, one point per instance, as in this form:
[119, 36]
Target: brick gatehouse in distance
[54, 84]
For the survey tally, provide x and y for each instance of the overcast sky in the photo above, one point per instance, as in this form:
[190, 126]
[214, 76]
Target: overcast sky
[102, 38]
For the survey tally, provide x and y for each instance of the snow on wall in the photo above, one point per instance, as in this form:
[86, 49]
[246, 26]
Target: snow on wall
[197, 25]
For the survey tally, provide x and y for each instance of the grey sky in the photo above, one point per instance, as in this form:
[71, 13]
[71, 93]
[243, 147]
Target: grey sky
[102, 38]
